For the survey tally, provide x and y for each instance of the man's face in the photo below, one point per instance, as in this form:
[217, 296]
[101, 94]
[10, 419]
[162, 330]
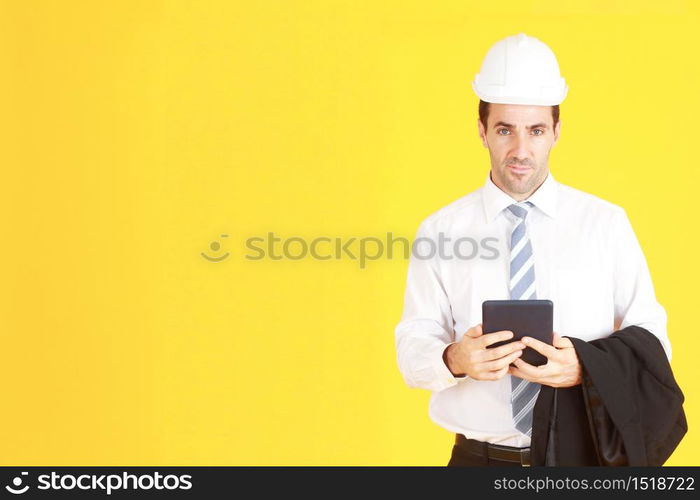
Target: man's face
[519, 139]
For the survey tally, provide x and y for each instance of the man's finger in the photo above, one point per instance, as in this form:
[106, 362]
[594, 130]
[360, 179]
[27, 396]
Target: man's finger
[497, 374]
[531, 371]
[498, 364]
[475, 331]
[516, 372]
[562, 342]
[494, 337]
[504, 350]
[545, 349]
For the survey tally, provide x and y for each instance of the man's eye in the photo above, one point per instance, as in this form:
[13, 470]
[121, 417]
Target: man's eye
[501, 130]
[539, 130]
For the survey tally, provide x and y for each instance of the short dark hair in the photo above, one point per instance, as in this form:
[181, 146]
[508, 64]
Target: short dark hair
[484, 113]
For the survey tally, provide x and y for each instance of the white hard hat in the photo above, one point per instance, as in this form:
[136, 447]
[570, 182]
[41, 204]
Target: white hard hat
[520, 69]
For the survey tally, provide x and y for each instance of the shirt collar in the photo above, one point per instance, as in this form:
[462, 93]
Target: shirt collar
[495, 200]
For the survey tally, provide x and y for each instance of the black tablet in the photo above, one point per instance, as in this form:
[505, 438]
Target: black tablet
[531, 318]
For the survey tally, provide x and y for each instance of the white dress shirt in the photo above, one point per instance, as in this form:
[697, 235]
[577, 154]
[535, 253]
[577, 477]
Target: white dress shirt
[588, 262]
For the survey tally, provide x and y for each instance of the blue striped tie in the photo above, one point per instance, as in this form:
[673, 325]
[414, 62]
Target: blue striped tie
[522, 286]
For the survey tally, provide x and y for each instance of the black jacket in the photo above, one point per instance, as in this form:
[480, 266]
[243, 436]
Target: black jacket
[628, 410]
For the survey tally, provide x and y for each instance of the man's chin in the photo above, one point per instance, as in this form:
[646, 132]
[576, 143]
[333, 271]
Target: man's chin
[519, 186]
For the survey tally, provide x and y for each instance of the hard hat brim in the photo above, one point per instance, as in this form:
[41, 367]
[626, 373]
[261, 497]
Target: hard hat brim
[547, 97]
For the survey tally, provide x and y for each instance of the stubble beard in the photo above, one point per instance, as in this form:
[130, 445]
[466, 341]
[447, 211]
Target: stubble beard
[514, 185]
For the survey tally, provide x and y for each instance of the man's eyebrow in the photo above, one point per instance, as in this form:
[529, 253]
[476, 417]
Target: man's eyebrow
[509, 125]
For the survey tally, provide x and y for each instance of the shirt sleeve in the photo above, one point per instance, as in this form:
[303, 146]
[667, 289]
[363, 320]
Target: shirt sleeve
[635, 300]
[426, 326]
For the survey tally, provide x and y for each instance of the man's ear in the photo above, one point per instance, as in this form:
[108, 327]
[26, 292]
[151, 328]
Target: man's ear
[482, 133]
[557, 132]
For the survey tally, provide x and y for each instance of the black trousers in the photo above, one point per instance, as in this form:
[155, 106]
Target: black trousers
[463, 458]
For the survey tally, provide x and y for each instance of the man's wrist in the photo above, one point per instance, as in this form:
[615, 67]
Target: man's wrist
[449, 359]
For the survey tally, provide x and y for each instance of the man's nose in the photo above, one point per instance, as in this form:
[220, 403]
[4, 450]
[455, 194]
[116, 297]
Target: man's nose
[520, 148]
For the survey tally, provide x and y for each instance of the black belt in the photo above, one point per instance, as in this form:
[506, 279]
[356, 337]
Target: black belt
[495, 451]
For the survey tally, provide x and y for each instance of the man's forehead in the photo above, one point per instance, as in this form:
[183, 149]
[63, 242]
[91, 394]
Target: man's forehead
[520, 115]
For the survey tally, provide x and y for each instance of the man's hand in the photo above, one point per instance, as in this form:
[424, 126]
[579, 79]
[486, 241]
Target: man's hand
[471, 357]
[562, 368]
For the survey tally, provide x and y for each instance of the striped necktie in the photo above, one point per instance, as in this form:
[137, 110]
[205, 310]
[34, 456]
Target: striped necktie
[522, 287]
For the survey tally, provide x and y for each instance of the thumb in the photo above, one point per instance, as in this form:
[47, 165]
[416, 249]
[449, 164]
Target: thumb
[560, 341]
[474, 331]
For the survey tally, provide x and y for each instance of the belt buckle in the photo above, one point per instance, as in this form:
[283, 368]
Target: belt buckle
[525, 457]
[523, 454]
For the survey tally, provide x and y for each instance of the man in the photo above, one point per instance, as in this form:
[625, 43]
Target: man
[552, 242]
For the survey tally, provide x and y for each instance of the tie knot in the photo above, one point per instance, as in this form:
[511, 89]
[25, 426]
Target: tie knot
[521, 209]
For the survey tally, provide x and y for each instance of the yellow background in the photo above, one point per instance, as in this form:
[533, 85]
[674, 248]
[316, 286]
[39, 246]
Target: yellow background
[135, 133]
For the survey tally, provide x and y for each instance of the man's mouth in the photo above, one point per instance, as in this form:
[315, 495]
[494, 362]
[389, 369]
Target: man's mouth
[519, 169]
